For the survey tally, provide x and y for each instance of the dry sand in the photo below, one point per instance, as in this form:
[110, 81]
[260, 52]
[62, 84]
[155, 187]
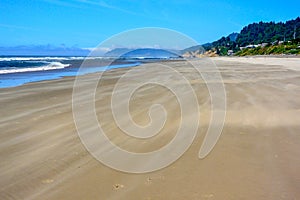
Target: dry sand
[257, 156]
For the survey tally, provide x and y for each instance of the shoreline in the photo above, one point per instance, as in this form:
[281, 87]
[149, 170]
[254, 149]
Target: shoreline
[118, 65]
[18, 79]
[259, 59]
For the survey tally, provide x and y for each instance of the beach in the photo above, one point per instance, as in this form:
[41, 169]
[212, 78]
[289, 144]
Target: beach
[256, 157]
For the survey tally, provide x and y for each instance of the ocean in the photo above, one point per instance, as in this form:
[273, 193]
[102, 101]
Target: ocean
[18, 70]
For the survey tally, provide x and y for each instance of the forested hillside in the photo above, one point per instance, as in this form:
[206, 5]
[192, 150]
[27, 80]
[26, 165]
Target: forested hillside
[259, 38]
[268, 32]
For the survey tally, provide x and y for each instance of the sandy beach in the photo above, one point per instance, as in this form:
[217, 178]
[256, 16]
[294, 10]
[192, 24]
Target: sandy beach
[256, 157]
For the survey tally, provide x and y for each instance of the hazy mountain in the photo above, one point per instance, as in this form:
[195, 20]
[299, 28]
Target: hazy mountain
[195, 48]
[117, 52]
[143, 53]
[150, 53]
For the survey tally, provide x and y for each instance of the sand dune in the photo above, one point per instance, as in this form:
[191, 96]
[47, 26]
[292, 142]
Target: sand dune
[257, 156]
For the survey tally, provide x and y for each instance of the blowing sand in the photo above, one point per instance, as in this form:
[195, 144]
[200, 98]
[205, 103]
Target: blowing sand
[257, 156]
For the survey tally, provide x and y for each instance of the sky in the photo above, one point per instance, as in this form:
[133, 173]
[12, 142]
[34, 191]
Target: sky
[86, 23]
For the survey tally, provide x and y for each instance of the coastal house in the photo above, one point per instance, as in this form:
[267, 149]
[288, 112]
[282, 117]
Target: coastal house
[275, 42]
[230, 52]
[250, 46]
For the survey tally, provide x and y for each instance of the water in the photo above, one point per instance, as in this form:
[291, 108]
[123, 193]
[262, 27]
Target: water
[16, 71]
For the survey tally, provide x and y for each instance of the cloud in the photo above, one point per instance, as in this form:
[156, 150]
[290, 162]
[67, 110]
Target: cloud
[105, 5]
[45, 50]
[93, 4]
[82, 3]
[98, 49]
[16, 27]
[62, 3]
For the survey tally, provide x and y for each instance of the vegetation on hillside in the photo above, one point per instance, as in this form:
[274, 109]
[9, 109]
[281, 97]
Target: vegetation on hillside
[269, 32]
[263, 38]
[285, 48]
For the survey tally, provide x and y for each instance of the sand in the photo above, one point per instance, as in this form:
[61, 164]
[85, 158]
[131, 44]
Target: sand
[256, 157]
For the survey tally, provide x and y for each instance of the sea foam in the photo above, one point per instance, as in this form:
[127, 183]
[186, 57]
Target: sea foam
[50, 66]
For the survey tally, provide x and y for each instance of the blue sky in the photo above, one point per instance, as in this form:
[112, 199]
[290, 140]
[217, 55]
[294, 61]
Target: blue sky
[85, 23]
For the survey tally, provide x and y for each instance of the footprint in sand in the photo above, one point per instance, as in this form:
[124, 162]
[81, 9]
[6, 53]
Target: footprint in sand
[118, 186]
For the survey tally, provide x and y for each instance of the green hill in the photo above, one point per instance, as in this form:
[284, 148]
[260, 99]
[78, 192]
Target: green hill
[259, 38]
[263, 32]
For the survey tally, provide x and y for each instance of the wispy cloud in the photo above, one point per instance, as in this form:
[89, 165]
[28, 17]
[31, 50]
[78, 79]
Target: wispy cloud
[17, 27]
[62, 3]
[83, 4]
[235, 23]
[46, 50]
[101, 4]
[98, 49]
[104, 4]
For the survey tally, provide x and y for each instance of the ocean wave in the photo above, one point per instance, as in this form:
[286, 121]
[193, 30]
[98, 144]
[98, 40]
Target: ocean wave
[50, 66]
[46, 58]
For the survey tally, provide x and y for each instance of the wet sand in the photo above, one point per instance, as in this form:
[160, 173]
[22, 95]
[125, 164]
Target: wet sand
[257, 156]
